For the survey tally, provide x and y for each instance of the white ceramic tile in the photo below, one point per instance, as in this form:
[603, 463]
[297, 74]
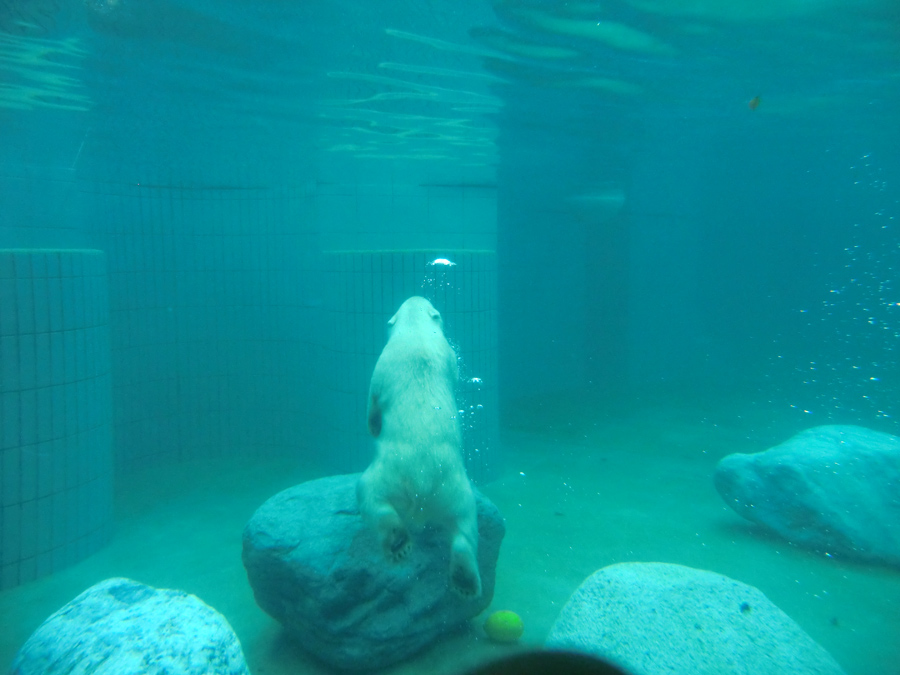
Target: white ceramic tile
[69, 302]
[22, 263]
[54, 303]
[43, 365]
[57, 358]
[38, 265]
[70, 355]
[28, 467]
[44, 524]
[70, 518]
[25, 305]
[87, 355]
[94, 514]
[9, 312]
[28, 534]
[7, 265]
[27, 361]
[79, 313]
[80, 468]
[59, 468]
[53, 267]
[70, 454]
[10, 406]
[92, 262]
[84, 404]
[83, 509]
[45, 458]
[10, 477]
[58, 402]
[28, 417]
[81, 366]
[66, 260]
[78, 265]
[10, 536]
[9, 364]
[103, 352]
[58, 524]
[44, 414]
[88, 301]
[71, 408]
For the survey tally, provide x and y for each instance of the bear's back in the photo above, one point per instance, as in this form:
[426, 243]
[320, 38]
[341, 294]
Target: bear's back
[414, 383]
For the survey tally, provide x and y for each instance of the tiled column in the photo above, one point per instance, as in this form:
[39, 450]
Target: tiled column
[366, 289]
[56, 480]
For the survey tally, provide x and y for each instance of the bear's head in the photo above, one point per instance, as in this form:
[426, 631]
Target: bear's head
[416, 313]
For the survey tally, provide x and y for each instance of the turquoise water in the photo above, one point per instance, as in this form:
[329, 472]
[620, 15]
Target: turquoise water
[680, 219]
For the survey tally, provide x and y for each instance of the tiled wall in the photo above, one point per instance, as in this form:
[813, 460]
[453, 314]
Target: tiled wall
[55, 410]
[212, 320]
[366, 288]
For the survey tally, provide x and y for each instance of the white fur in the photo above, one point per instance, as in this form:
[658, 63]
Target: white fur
[418, 477]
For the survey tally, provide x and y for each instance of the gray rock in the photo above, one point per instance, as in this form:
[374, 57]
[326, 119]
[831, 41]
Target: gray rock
[122, 627]
[654, 618]
[315, 567]
[835, 489]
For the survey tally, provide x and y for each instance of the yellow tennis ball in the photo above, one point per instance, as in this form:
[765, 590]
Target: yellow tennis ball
[504, 626]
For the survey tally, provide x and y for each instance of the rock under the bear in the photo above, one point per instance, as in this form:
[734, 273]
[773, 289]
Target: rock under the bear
[319, 570]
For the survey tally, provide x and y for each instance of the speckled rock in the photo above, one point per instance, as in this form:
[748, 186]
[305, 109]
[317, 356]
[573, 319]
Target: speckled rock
[122, 627]
[655, 618]
[315, 567]
[834, 489]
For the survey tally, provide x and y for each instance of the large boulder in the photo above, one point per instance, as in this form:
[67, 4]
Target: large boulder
[122, 627]
[655, 618]
[834, 489]
[319, 570]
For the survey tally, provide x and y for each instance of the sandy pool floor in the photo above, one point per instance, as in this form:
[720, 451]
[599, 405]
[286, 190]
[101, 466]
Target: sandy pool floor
[589, 493]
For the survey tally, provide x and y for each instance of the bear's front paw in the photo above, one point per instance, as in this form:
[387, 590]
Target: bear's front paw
[398, 545]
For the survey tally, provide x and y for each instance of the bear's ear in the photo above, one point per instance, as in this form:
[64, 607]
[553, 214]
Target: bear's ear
[392, 320]
[436, 316]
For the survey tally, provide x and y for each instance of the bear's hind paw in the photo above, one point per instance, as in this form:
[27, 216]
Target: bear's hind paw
[401, 554]
[465, 583]
[399, 547]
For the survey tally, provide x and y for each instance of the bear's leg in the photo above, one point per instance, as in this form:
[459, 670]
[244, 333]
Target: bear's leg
[464, 576]
[376, 508]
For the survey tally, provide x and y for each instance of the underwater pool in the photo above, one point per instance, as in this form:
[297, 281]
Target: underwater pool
[654, 233]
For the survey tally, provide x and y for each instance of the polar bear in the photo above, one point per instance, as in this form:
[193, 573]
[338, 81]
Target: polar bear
[418, 477]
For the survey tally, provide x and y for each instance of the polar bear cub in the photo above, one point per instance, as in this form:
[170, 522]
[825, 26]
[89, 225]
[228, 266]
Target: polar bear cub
[418, 477]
